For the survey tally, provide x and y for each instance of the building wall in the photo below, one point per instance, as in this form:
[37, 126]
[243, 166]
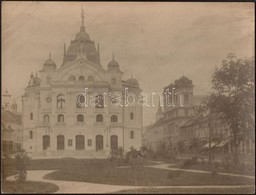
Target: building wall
[35, 101]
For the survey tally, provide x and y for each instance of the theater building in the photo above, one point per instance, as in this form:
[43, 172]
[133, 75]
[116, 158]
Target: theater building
[54, 123]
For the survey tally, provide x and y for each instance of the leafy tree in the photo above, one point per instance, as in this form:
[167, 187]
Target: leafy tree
[234, 97]
[207, 113]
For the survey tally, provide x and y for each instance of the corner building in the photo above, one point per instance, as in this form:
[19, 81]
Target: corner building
[53, 122]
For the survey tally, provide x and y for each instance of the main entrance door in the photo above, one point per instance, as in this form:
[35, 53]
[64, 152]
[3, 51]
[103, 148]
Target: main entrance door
[113, 142]
[99, 142]
[60, 142]
[79, 142]
[46, 142]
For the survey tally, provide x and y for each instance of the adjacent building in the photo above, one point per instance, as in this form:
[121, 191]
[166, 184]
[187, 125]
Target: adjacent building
[169, 119]
[11, 126]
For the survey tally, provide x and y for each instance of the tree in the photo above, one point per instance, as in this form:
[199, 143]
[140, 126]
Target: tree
[207, 113]
[234, 96]
[116, 157]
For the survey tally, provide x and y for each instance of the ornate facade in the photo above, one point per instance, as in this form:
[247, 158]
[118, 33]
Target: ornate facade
[55, 124]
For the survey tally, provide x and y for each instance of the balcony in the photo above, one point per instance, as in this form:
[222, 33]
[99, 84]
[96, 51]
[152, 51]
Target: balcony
[43, 124]
[116, 124]
[80, 123]
[60, 123]
[99, 123]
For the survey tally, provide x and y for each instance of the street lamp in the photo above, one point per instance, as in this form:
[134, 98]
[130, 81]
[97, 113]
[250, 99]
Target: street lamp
[6, 99]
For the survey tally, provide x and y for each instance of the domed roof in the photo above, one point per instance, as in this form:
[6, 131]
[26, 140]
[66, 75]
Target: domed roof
[82, 35]
[113, 64]
[50, 62]
[132, 81]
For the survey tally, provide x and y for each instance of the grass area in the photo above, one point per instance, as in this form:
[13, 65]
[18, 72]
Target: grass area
[28, 187]
[144, 176]
[216, 166]
[103, 171]
[242, 190]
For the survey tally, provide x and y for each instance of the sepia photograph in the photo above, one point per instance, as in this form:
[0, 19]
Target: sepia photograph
[127, 97]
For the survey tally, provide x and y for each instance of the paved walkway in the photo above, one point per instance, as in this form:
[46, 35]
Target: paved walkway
[166, 166]
[85, 187]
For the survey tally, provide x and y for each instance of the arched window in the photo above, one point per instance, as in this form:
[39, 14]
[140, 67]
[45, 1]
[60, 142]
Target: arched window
[48, 79]
[90, 78]
[46, 118]
[81, 78]
[60, 118]
[80, 101]
[99, 118]
[80, 118]
[99, 101]
[31, 135]
[114, 119]
[132, 135]
[131, 115]
[72, 78]
[113, 80]
[60, 101]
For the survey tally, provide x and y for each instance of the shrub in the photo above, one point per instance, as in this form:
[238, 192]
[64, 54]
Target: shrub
[190, 162]
[22, 161]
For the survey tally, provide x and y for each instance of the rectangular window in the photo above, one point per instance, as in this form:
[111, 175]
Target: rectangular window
[31, 116]
[89, 142]
[70, 142]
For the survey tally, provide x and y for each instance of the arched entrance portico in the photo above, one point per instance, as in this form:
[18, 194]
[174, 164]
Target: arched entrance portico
[99, 142]
[79, 142]
[46, 142]
[113, 142]
[60, 142]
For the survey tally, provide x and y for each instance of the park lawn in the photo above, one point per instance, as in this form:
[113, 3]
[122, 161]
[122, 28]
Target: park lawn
[242, 190]
[216, 166]
[66, 163]
[103, 171]
[28, 187]
[144, 176]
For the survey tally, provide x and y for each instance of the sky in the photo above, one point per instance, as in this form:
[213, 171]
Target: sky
[155, 42]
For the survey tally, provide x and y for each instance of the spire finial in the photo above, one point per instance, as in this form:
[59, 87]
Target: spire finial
[159, 107]
[82, 16]
[131, 76]
[50, 55]
[6, 91]
[113, 56]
